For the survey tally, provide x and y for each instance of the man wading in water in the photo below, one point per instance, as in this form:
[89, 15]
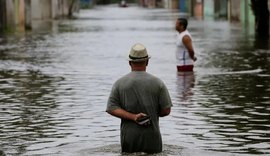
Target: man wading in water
[139, 99]
[185, 55]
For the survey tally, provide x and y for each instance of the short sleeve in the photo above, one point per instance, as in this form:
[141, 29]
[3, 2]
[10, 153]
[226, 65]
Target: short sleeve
[114, 99]
[164, 98]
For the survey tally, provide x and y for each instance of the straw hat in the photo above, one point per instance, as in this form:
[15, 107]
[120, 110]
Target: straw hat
[138, 53]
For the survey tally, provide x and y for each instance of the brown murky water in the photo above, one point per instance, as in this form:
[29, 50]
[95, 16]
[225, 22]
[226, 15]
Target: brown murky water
[56, 79]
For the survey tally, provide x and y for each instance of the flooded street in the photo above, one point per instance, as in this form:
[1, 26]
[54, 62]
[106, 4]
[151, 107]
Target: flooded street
[55, 82]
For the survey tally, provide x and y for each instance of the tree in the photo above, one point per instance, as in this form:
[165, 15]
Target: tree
[261, 12]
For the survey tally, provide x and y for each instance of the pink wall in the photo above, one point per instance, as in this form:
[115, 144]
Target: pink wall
[21, 16]
[198, 10]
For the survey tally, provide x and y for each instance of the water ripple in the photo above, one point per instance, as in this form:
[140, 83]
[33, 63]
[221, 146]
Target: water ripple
[55, 85]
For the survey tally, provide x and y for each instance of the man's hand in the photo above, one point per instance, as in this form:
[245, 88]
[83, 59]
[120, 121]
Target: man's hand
[195, 58]
[121, 113]
[140, 116]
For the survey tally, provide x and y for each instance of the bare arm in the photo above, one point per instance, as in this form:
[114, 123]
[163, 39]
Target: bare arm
[121, 113]
[165, 112]
[188, 44]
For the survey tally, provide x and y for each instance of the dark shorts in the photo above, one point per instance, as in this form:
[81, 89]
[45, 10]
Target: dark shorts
[185, 68]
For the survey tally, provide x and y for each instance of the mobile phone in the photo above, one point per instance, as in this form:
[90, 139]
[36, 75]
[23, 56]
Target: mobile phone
[143, 120]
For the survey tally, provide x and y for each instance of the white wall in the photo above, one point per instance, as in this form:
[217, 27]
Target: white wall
[10, 16]
[41, 9]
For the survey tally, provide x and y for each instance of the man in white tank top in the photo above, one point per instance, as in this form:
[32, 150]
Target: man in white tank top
[185, 55]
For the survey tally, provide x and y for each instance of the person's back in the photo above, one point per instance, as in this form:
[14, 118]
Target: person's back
[133, 96]
[140, 92]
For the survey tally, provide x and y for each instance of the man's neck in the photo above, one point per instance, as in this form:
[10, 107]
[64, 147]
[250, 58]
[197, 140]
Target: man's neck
[138, 68]
[180, 31]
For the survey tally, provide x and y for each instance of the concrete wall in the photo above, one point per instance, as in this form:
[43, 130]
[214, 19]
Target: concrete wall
[148, 3]
[41, 9]
[234, 10]
[63, 7]
[12, 15]
[151, 3]
[208, 10]
[198, 9]
[60, 8]
[166, 4]
[240, 11]
[55, 9]
[28, 14]
[246, 13]
[221, 8]
[182, 5]
[171, 4]
[19, 14]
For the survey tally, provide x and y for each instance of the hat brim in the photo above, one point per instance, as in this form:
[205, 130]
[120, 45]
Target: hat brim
[139, 60]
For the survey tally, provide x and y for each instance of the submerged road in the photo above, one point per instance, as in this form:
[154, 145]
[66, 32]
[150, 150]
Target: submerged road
[55, 82]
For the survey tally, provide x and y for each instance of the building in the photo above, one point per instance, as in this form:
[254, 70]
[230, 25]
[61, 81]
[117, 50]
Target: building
[18, 15]
[233, 10]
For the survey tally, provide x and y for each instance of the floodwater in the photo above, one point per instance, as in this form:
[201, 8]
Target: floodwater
[55, 81]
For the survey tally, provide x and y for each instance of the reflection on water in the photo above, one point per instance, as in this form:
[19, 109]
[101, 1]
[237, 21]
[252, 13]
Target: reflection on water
[55, 82]
[185, 83]
[240, 110]
[114, 150]
[28, 101]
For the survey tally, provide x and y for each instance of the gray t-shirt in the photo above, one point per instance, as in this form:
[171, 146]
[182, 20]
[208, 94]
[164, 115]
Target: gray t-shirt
[139, 92]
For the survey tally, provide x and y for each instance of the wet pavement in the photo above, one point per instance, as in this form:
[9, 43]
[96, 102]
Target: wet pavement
[56, 79]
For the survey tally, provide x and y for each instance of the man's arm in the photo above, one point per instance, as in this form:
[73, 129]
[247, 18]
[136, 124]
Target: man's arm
[165, 112]
[123, 114]
[188, 44]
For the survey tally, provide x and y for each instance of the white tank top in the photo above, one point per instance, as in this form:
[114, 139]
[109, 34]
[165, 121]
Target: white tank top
[182, 55]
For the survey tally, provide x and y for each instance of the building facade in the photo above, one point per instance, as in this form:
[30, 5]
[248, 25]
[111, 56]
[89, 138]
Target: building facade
[233, 10]
[18, 15]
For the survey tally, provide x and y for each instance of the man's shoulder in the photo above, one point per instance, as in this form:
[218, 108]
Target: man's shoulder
[122, 78]
[132, 76]
[186, 33]
[125, 78]
[154, 78]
